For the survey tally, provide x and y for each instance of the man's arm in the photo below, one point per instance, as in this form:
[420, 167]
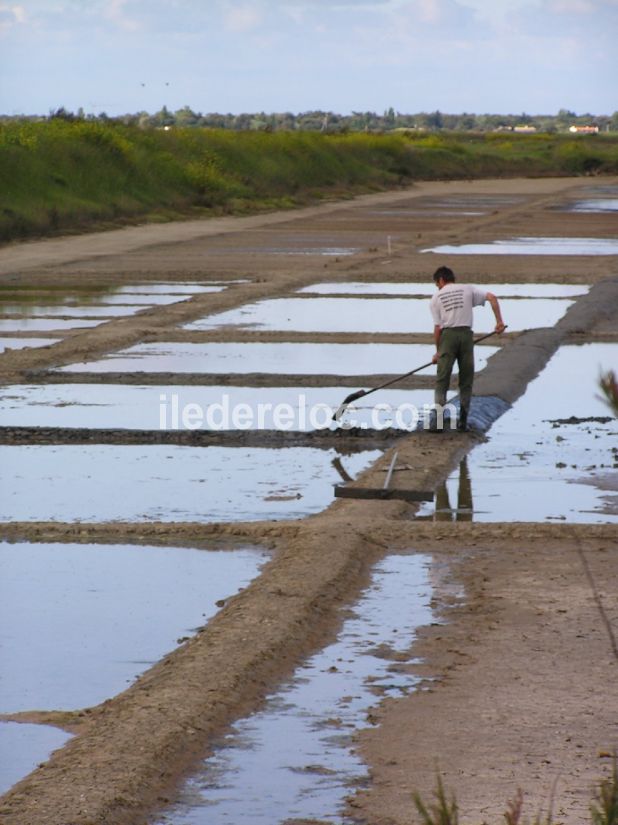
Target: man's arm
[500, 325]
[437, 332]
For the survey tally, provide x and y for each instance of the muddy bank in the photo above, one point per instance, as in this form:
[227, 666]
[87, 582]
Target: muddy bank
[502, 707]
[223, 670]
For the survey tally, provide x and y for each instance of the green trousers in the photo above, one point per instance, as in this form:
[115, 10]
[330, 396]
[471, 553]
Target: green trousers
[455, 345]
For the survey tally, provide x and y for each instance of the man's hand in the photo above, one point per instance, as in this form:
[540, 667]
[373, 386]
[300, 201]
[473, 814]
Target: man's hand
[434, 360]
[500, 327]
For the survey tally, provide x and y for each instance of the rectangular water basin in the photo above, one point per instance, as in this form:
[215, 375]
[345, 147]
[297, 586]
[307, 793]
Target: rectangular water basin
[414, 289]
[596, 205]
[172, 407]
[293, 761]
[25, 343]
[533, 246]
[70, 311]
[372, 315]
[534, 468]
[81, 621]
[98, 483]
[271, 359]
[45, 324]
[28, 746]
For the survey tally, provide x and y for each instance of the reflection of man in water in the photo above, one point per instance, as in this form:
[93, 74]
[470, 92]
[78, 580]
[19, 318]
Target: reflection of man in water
[443, 511]
[451, 309]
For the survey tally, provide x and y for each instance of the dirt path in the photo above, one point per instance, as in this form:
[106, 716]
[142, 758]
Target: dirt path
[520, 684]
[535, 681]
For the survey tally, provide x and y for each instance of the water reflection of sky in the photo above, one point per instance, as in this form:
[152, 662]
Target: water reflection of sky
[96, 483]
[289, 359]
[373, 315]
[533, 246]
[534, 469]
[292, 760]
[81, 621]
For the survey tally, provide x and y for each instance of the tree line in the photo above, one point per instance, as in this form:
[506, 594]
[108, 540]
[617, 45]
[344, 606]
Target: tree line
[331, 122]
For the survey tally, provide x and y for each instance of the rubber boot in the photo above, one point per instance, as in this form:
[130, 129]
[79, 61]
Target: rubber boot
[462, 423]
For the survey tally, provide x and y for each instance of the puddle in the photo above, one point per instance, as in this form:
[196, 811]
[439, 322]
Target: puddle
[97, 483]
[37, 304]
[271, 359]
[24, 303]
[28, 745]
[534, 246]
[372, 315]
[173, 407]
[293, 760]
[533, 469]
[43, 324]
[181, 288]
[412, 289]
[451, 205]
[592, 205]
[68, 311]
[425, 213]
[81, 621]
[25, 343]
[184, 288]
[27, 294]
[322, 251]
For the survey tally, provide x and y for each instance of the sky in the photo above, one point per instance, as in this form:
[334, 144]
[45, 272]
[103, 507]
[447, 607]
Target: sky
[232, 56]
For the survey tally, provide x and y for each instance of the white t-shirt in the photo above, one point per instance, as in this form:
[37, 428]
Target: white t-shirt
[452, 305]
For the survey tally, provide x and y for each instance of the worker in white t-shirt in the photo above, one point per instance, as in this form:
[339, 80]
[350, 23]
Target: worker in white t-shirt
[451, 309]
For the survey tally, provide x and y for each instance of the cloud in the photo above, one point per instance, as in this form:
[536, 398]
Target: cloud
[11, 15]
[242, 18]
[115, 13]
[572, 7]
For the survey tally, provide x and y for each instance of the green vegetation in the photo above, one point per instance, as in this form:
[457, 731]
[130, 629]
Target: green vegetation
[66, 174]
[321, 121]
[442, 811]
[608, 382]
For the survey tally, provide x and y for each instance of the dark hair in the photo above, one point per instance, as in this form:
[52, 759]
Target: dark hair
[445, 273]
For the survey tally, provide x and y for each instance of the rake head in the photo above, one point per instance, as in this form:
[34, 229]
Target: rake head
[350, 398]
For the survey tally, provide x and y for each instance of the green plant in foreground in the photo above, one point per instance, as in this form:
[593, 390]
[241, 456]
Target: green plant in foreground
[603, 811]
[608, 382]
[441, 812]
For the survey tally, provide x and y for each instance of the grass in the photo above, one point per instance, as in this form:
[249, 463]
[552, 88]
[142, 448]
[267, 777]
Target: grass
[444, 811]
[60, 175]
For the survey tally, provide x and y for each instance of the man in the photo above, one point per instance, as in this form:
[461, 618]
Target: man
[451, 309]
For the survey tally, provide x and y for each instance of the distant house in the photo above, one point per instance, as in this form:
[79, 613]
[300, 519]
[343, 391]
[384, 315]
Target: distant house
[525, 129]
[584, 130]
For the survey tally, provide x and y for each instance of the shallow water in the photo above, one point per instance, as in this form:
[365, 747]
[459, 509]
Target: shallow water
[533, 246]
[281, 358]
[393, 288]
[114, 406]
[426, 213]
[373, 315]
[181, 288]
[70, 311]
[592, 205]
[44, 324]
[81, 621]
[38, 305]
[290, 250]
[534, 470]
[24, 343]
[96, 483]
[28, 746]
[293, 758]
